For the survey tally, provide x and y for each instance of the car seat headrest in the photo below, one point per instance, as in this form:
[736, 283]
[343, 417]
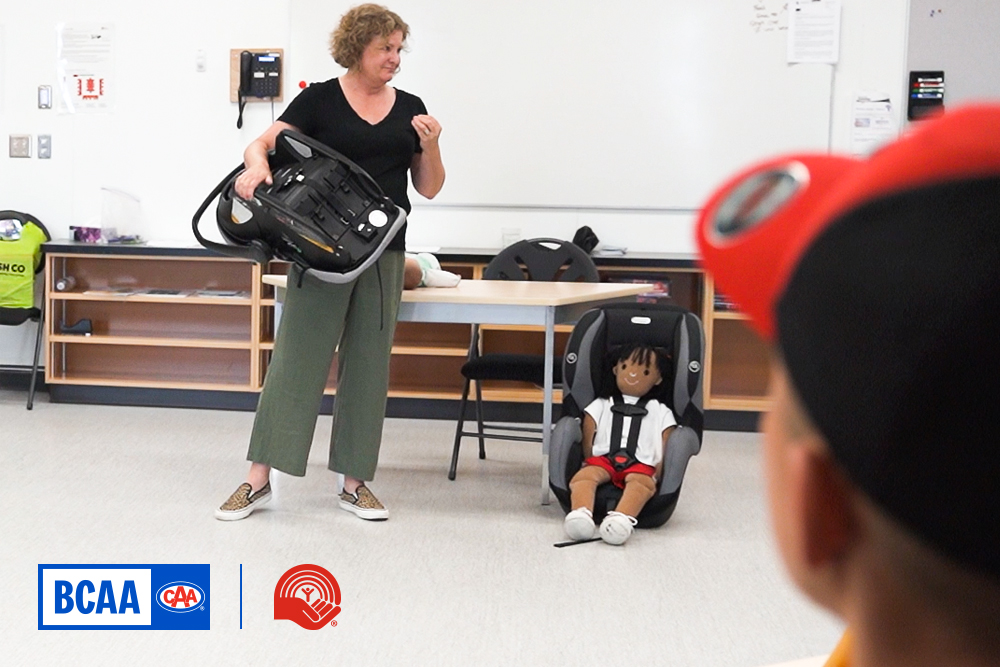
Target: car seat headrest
[596, 337]
[639, 325]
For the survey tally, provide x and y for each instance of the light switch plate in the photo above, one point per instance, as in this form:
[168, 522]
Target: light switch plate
[44, 146]
[45, 97]
[20, 145]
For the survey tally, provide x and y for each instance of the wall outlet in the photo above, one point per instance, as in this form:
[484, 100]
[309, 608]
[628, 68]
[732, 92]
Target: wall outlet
[44, 146]
[20, 145]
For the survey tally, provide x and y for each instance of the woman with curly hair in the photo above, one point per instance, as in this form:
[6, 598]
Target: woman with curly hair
[390, 135]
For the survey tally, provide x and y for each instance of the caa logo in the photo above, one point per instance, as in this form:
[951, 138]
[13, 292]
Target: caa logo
[121, 597]
[180, 597]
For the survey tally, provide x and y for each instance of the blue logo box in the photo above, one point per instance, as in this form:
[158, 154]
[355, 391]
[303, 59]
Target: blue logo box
[124, 597]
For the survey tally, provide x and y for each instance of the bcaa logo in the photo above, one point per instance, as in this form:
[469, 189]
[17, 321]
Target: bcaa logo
[307, 595]
[180, 596]
[94, 596]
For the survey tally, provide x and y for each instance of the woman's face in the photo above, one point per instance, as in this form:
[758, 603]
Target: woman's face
[380, 59]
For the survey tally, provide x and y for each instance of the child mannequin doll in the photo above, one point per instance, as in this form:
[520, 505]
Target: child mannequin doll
[628, 453]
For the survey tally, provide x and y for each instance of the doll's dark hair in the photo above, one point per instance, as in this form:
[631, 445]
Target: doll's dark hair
[643, 353]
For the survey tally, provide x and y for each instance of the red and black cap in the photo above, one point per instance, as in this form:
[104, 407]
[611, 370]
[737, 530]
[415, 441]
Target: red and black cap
[879, 282]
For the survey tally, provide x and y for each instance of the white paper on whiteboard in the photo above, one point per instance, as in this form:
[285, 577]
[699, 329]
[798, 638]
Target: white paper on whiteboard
[873, 122]
[814, 31]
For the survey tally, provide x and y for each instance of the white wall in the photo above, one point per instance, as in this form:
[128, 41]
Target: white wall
[172, 134]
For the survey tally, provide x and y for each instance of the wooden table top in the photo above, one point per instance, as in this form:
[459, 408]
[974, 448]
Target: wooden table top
[511, 292]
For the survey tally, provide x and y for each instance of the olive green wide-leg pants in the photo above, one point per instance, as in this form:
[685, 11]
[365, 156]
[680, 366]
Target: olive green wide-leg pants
[315, 317]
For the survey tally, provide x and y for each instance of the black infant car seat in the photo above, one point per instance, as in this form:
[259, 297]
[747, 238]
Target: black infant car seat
[585, 371]
[323, 212]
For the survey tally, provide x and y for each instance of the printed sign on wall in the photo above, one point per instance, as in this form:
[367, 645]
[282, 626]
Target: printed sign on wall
[85, 65]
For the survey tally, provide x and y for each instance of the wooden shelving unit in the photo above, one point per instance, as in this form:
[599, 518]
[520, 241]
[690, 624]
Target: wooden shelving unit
[192, 342]
[737, 361]
[185, 340]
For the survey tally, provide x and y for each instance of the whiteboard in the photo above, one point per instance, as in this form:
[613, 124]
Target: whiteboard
[960, 38]
[637, 104]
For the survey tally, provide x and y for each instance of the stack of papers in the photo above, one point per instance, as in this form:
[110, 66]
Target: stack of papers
[610, 251]
[223, 293]
[169, 293]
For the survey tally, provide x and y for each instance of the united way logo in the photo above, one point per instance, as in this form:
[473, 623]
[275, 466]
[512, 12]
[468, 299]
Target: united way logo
[123, 597]
[307, 595]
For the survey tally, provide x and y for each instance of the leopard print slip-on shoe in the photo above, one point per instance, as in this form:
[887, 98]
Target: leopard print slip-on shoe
[364, 504]
[243, 503]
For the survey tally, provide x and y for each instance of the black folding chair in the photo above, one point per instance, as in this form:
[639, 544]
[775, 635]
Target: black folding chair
[541, 259]
[21, 259]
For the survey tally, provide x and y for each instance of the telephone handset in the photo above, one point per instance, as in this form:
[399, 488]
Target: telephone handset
[260, 77]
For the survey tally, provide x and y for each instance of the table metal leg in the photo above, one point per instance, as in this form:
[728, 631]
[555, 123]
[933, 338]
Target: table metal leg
[550, 337]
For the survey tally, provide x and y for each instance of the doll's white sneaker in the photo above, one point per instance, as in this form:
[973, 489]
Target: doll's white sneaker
[439, 278]
[431, 273]
[579, 524]
[427, 261]
[617, 527]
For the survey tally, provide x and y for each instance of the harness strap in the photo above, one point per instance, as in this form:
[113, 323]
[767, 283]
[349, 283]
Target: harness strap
[619, 410]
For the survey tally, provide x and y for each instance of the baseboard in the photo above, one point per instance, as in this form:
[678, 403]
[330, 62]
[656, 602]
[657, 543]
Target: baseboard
[493, 411]
[732, 420]
[18, 378]
[160, 398]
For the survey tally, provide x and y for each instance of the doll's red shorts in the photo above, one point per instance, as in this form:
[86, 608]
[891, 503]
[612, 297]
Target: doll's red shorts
[618, 477]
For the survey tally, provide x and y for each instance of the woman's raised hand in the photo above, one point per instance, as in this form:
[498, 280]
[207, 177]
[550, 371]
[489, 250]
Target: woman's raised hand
[428, 129]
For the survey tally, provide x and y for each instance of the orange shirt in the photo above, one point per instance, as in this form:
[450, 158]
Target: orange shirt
[840, 656]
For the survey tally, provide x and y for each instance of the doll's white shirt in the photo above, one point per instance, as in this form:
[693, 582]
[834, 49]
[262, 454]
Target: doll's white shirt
[649, 450]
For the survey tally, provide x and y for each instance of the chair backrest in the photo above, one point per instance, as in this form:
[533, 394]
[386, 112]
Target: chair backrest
[21, 239]
[601, 330]
[542, 259]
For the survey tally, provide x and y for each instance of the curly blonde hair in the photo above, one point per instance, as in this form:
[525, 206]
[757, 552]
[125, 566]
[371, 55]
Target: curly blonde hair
[358, 27]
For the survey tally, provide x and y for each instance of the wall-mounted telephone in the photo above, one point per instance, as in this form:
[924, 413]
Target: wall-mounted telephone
[260, 74]
[260, 77]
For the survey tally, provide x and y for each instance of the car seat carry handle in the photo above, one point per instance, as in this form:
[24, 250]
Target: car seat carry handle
[256, 251]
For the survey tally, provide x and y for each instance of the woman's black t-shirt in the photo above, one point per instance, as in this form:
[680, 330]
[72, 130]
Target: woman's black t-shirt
[384, 150]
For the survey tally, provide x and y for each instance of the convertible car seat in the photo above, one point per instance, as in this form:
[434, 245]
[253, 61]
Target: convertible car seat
[586, 367]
